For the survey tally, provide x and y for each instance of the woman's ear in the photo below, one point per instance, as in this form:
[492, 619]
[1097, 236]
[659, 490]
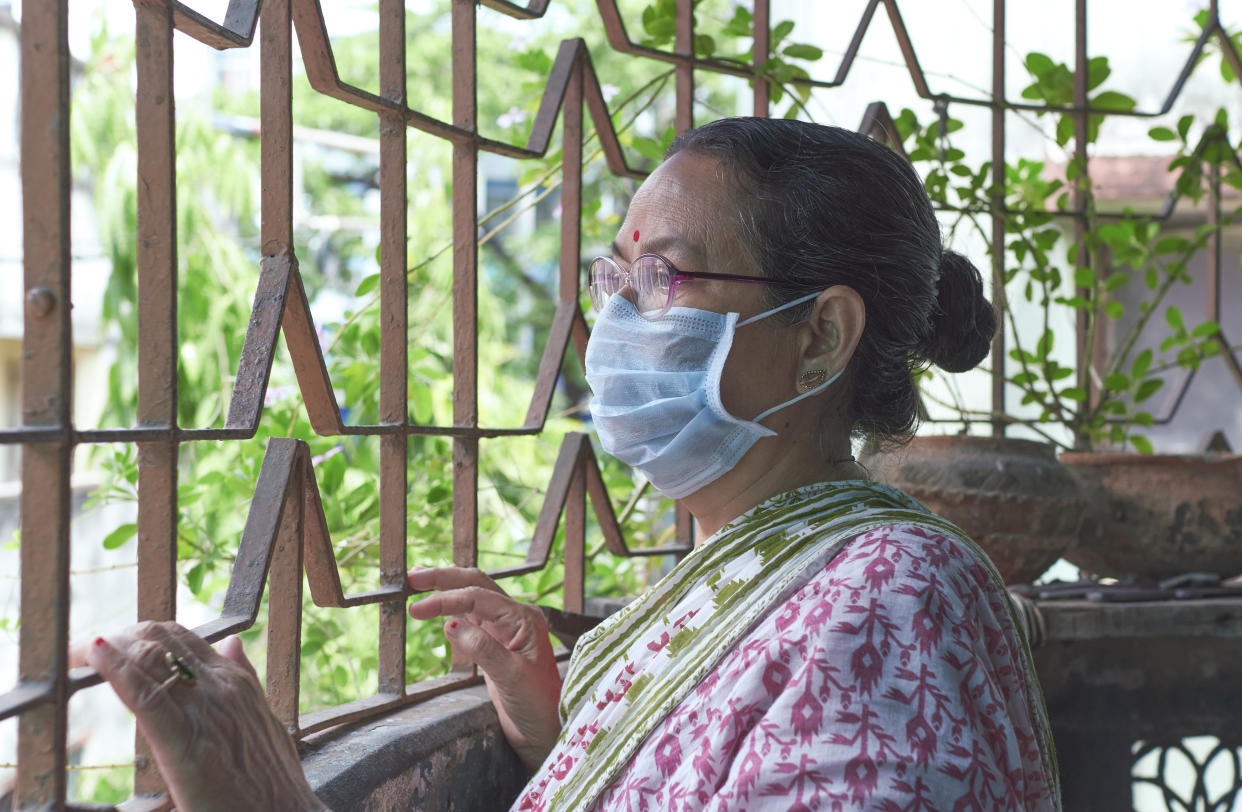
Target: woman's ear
[833, 330]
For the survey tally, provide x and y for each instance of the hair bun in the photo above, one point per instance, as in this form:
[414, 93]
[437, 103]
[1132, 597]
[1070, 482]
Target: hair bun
[965, 321]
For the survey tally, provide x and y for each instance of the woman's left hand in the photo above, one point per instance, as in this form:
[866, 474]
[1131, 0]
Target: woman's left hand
[215, 739]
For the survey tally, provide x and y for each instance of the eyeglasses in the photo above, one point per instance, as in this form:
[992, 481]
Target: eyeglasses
[652, 280]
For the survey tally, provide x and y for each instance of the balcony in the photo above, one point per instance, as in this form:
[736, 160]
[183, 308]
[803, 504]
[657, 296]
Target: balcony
[344, 320]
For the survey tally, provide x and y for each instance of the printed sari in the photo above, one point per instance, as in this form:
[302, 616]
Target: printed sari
[836, 647]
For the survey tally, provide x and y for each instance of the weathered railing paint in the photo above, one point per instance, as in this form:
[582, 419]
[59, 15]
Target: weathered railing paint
[285, 533]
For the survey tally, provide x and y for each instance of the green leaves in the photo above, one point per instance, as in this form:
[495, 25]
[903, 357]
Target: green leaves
[1205, 330]
[1113, 102]
[800, 51]
[1054, 82]
[660, 22]
[1147, 388]
[1054, 85]
[119, 536]
[1120, 249]
[653, 149]
[742, 24]
[1118, 381]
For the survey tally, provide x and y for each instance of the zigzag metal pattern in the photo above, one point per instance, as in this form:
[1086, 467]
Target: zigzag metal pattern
[286, 530]
[287, 508]
[287, 512]
[280, 289]
[241, 18]
[620, 41]
[238, 31]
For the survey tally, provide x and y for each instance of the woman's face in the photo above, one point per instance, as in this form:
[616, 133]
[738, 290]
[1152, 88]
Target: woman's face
[685, 212]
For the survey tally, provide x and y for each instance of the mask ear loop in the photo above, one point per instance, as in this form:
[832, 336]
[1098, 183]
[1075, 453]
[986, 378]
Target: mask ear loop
[804, 395]
[807, 393]
[776, 310]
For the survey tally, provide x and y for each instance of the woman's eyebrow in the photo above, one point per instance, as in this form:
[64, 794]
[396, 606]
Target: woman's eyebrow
[662, 244]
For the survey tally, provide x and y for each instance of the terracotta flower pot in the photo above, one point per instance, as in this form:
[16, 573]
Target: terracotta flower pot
[1011, 496]
[1156, 516]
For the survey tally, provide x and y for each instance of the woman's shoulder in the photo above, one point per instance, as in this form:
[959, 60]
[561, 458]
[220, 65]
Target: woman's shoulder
[904, 559]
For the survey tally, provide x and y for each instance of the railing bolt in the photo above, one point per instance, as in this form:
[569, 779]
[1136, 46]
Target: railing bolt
[40, 302]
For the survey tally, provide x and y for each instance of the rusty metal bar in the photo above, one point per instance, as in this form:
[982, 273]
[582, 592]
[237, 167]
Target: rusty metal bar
[283, 555]
[568, 285]
[394, 375]
[156, 261]
[907, 50]
[574, 592]
[237, 31]
[576, 459]
[533, 11]
[284, 604]
[372, 706]
[1214, 250]
[259, 349]
[997, 199]
[276, 126]
[878, 123]
[47, 398]
[684, 45]
[761, 89]
[1084, 352]
[465, 289]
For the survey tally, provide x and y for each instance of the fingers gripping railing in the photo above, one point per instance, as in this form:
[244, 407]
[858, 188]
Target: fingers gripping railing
[286, 535]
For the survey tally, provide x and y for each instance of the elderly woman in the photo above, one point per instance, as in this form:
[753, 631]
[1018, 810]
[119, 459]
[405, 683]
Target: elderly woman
[829, 644]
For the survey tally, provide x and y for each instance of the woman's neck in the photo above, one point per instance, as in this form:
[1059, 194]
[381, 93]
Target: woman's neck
[766, 471]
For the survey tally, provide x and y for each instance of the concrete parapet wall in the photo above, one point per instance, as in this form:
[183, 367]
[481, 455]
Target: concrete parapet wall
[447, 753]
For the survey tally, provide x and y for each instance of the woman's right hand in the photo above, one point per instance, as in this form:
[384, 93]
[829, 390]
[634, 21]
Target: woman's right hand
[509, 642]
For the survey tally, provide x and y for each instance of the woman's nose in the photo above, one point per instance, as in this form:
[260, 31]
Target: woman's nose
[630, 292]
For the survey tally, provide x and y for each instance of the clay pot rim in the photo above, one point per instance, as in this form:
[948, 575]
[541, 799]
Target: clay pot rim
[1120, 458]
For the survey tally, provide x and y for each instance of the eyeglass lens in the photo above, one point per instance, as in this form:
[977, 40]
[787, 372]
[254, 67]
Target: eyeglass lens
[647, 278]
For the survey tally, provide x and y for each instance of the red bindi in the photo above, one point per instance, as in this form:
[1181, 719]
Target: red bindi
[635, 235]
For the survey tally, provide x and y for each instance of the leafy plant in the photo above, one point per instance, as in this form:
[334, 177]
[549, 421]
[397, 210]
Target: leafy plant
[1077, 282]
[730, 37]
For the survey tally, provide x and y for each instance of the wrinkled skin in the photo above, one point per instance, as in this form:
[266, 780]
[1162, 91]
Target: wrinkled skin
[216, 742]
[509, 642]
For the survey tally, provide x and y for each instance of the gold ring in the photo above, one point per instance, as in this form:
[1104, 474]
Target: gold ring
[178, 670]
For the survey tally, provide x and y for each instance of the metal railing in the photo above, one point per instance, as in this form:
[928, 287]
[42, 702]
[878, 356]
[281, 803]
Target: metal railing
[285, 534]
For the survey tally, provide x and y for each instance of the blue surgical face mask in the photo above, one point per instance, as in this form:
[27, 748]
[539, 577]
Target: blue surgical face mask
[656, 386]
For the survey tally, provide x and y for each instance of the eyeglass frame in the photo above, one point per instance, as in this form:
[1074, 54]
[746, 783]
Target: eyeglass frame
[677, 275]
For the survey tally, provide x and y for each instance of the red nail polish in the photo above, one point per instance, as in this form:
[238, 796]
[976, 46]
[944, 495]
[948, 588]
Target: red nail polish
[99, 641]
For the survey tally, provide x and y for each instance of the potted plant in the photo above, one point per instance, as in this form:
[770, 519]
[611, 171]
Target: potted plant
[1148, 514]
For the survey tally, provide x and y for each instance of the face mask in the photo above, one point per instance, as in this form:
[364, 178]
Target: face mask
[656, 386]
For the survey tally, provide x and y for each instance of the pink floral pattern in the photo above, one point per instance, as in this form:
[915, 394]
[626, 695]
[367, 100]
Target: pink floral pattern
[891, 681]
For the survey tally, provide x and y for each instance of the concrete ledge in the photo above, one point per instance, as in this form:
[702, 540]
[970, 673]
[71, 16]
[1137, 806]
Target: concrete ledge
[447, 753]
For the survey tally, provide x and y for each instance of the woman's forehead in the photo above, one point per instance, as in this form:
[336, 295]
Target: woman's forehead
[683, 206]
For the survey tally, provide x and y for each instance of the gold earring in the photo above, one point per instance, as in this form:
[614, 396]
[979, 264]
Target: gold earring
[811, 378]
